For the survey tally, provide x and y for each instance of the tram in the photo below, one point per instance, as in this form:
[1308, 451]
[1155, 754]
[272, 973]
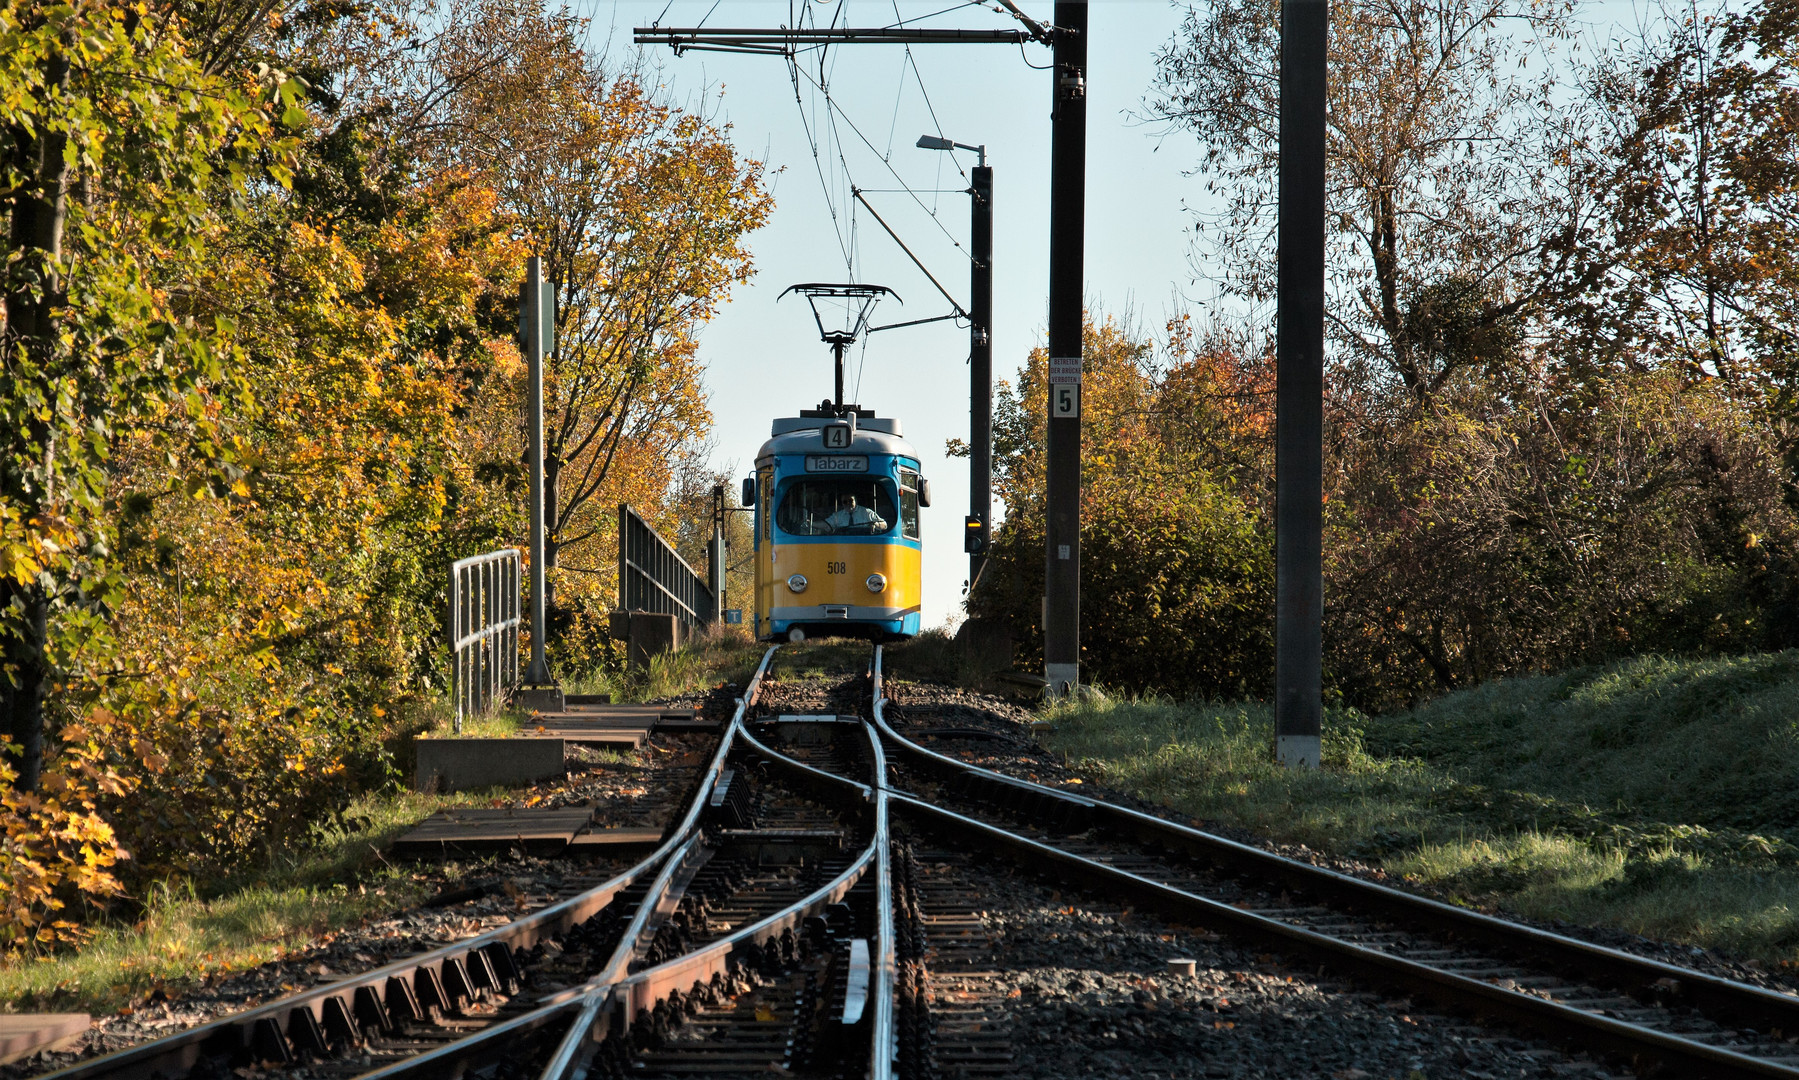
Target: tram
[837, 495]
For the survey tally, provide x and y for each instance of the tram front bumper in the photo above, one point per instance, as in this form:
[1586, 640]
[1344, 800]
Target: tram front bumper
[818, 613]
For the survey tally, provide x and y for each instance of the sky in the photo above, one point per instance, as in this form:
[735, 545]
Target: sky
[763, 355]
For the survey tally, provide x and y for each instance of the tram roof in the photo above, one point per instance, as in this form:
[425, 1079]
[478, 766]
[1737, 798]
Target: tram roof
[801, 435]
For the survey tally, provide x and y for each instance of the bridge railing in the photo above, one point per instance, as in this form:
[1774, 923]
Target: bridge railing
[486, 613]
[651, 577]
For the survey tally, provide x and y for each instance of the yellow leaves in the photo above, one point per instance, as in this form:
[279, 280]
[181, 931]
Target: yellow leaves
[29, 546]
[53, 847]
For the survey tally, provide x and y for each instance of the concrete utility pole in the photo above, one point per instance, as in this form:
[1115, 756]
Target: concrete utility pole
[537, 313]
[1067, 286]
[1299, 390]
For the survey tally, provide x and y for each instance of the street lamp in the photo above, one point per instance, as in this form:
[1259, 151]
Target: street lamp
[933, 142]
[977, 528]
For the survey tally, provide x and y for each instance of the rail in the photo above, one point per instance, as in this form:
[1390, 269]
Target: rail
[485, 616]
[653, 578]
[1726, 1002]
[571, 1006]
[575, 1023]
[331, 1015]
[619, 1000]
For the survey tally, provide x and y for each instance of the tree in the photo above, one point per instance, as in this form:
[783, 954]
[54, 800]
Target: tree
[113, 140]
[1442, 166]
[1693, 127]
[640, 210]
[1178, 549]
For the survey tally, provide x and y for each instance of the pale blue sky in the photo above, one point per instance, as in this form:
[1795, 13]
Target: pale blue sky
[764, 359]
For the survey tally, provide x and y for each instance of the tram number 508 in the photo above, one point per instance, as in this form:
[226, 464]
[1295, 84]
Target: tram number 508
[1065, 399]
[837, 568]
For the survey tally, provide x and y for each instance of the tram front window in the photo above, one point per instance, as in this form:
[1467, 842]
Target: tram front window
[836, 507]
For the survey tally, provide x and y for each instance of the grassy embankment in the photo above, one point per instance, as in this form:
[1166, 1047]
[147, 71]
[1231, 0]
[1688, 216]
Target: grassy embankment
[1658, 796]
[231, 922]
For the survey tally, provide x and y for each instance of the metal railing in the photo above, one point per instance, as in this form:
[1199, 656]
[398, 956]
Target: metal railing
[651, 577]
[485, 616]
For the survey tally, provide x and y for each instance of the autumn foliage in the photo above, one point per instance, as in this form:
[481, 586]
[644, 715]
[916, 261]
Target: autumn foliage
[1173, 546]
[1560, 390]
[261, 389]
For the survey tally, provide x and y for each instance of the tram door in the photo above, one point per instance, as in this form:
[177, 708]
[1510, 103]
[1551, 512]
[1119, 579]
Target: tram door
[766, 564]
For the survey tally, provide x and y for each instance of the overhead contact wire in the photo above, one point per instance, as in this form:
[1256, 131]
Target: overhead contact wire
[817, 165]
[836, 109]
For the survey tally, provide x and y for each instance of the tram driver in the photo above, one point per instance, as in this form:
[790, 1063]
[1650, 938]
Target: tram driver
[850, 516]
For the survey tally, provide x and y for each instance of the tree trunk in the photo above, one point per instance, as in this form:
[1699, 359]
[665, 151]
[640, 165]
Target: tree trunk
[1386, 275]
[38, 211]
[24, 702]
[552, 472]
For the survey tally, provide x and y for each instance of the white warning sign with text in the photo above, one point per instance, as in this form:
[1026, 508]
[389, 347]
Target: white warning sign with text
[1064, 369]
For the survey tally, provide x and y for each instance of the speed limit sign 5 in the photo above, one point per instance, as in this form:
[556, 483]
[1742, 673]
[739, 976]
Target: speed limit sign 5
[1065, 399]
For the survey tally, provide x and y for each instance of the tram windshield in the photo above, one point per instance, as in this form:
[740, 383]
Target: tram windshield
[836, 506]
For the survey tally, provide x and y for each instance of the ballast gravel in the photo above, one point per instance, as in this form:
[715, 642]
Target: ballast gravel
[1083, 992]
[923, 705]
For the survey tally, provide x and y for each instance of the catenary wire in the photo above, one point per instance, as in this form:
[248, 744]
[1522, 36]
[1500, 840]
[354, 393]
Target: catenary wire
[836, 109]
[817, 165]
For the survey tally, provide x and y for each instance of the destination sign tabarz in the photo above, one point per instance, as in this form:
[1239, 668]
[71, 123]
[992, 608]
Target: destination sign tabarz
[836, 463]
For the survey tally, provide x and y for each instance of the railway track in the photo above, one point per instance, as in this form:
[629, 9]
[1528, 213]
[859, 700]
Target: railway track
[824, 909]
[1651, 1014]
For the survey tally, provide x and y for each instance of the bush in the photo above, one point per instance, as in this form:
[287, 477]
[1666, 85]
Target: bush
[1176, 563]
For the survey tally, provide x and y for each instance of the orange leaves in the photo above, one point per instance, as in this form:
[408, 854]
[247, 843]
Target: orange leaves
[1169, 538]
[54, 846]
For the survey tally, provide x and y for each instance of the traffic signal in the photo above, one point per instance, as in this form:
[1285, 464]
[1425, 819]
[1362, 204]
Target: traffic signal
[974, 535]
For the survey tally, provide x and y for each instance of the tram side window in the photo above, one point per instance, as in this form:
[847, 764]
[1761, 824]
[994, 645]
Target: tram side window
[909, 503]
[836, 506]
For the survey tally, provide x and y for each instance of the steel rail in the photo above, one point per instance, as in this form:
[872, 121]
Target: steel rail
[1588, 1030]
[619, 1000]
[884, 1050]
[1733, 1004]
[551, 1009]
[568, 1055]
[336, 1011]
[452, 1057]
[883, 979]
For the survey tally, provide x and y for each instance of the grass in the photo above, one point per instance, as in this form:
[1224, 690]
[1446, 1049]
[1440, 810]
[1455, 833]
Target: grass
[722, 655]
[820, 657]
[1658, 796]
[186, 933]
[932, 655]
[192, 931]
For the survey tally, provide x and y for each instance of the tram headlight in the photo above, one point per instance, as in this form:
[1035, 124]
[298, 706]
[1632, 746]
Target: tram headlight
[797, 583]
[876, 582]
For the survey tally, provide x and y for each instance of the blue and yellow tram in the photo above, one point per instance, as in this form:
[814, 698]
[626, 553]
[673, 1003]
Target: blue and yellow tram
[837, 495]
